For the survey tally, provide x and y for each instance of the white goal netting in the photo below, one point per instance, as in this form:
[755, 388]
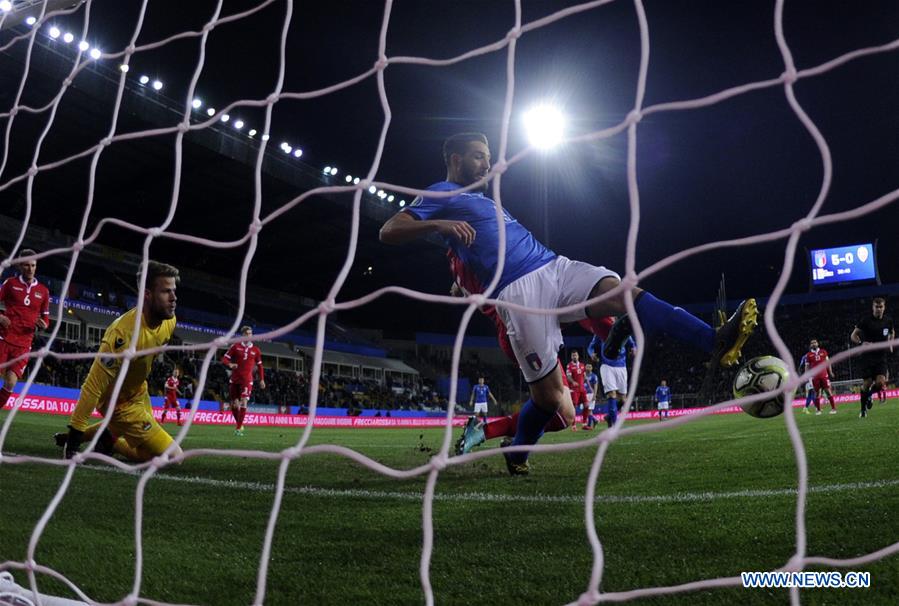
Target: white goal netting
[44, 15]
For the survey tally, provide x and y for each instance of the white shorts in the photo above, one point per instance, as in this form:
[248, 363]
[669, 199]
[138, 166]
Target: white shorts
[614, 378]
[663, 405]
[591, 397]
[480, 407]
[536, 338]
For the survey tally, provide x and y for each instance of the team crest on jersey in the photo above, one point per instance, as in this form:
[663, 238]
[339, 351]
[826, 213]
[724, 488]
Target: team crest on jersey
[533, 361]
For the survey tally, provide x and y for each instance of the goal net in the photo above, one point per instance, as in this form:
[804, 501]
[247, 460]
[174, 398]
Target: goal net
[26, 30]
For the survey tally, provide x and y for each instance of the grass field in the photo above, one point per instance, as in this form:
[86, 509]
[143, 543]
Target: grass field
[712, 498]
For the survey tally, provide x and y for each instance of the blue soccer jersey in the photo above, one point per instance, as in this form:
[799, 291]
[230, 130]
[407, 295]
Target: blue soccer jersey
[480, 393]
[618, 362]
[663, 393]
[591, 382]
[524, 253]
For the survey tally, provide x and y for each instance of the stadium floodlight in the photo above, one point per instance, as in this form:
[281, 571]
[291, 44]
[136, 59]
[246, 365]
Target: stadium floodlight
[238, 124]
[68, 37]
[348, 178]
[287, 149]
[82, 46]
[54, 32]
[225, 118]
[95, 53]
[5, 6]
[334, 171]
[124, 68]
[265, 137]
[157, 85]
[210, 112]
[381, 193]
[31, 20]
[545, 126]
[252, 132]
[372, 189]
[144, 79]
[327, 170]
[356, 181]
[297, 152]
[390, 198]
[402, 203]
[197, 103]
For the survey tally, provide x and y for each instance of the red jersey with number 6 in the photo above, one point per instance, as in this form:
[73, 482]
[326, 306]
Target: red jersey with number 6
[25, 304]
[247, 356]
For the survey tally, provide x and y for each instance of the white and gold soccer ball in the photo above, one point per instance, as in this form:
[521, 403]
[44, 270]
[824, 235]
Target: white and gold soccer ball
[761, 375]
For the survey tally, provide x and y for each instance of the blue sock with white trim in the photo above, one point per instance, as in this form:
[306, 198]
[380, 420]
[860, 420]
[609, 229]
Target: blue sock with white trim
[531, 421]
[657, 316]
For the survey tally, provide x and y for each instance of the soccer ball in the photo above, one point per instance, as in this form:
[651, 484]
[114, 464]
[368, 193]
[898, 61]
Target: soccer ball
[759, 375]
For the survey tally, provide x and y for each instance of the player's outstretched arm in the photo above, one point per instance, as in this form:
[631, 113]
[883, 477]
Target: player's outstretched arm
[403, 227]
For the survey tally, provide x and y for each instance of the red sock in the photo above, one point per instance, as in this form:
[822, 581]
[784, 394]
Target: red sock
[556, 423]
[503, 426]
[235, 412]
[163, 416]
[4, 396]
[179, 416]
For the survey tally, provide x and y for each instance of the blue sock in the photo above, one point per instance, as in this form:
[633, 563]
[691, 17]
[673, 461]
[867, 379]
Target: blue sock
[657, 316]
[612, 414]
[809, 398]
[531, 422]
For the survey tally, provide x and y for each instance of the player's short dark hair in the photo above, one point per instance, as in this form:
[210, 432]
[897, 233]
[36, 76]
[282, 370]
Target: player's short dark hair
[880, 300]
[27, 252]
[458, 144]
[245, 328]
[155, 269]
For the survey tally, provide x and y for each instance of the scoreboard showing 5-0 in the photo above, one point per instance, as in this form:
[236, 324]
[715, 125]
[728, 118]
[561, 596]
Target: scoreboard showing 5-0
[831, 266]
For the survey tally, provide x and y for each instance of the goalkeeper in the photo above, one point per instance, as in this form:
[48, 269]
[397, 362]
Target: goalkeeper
[132, 432]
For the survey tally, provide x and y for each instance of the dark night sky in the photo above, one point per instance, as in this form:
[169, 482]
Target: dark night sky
[742, 167]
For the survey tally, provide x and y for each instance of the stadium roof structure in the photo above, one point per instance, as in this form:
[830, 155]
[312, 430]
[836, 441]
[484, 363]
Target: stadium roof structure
[347, 359]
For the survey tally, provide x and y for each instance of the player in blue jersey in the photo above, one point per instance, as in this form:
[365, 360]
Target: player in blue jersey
[810, 395]
[663, 398]
[613, 373]
[479, 395]
[591, 384]
[535, 276]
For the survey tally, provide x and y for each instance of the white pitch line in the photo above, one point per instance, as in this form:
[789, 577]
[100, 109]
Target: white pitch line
[486, 497]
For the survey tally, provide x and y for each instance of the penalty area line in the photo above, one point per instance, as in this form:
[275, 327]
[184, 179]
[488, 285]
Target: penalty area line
[487, 497]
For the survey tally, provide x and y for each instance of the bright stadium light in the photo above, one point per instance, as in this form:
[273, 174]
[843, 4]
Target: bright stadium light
[252, 132]
[327, 170]
[356, 181]
[124, 68]
[5, 6]
[402, 203]
[82, 46]
[333, 171]
[372, 189]
[144, 79]
[297, 152]
[545, 126]
[31, 20]
[348, 178]
[287, 149]
[210, 112]
[225, 118]
[54, 32]
[68, 37]
[238, 124]
[95, 53]
[157, 85]
[390, 198]
[197, 103]
[381, 193]
[265, 137]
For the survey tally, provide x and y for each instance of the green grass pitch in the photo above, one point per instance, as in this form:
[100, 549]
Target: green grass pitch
[708, 499]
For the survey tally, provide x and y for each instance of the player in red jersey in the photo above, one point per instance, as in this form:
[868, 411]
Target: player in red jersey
[575, 371]
[816, 357]
[26, 308]
[242, 358]
[171, 395]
